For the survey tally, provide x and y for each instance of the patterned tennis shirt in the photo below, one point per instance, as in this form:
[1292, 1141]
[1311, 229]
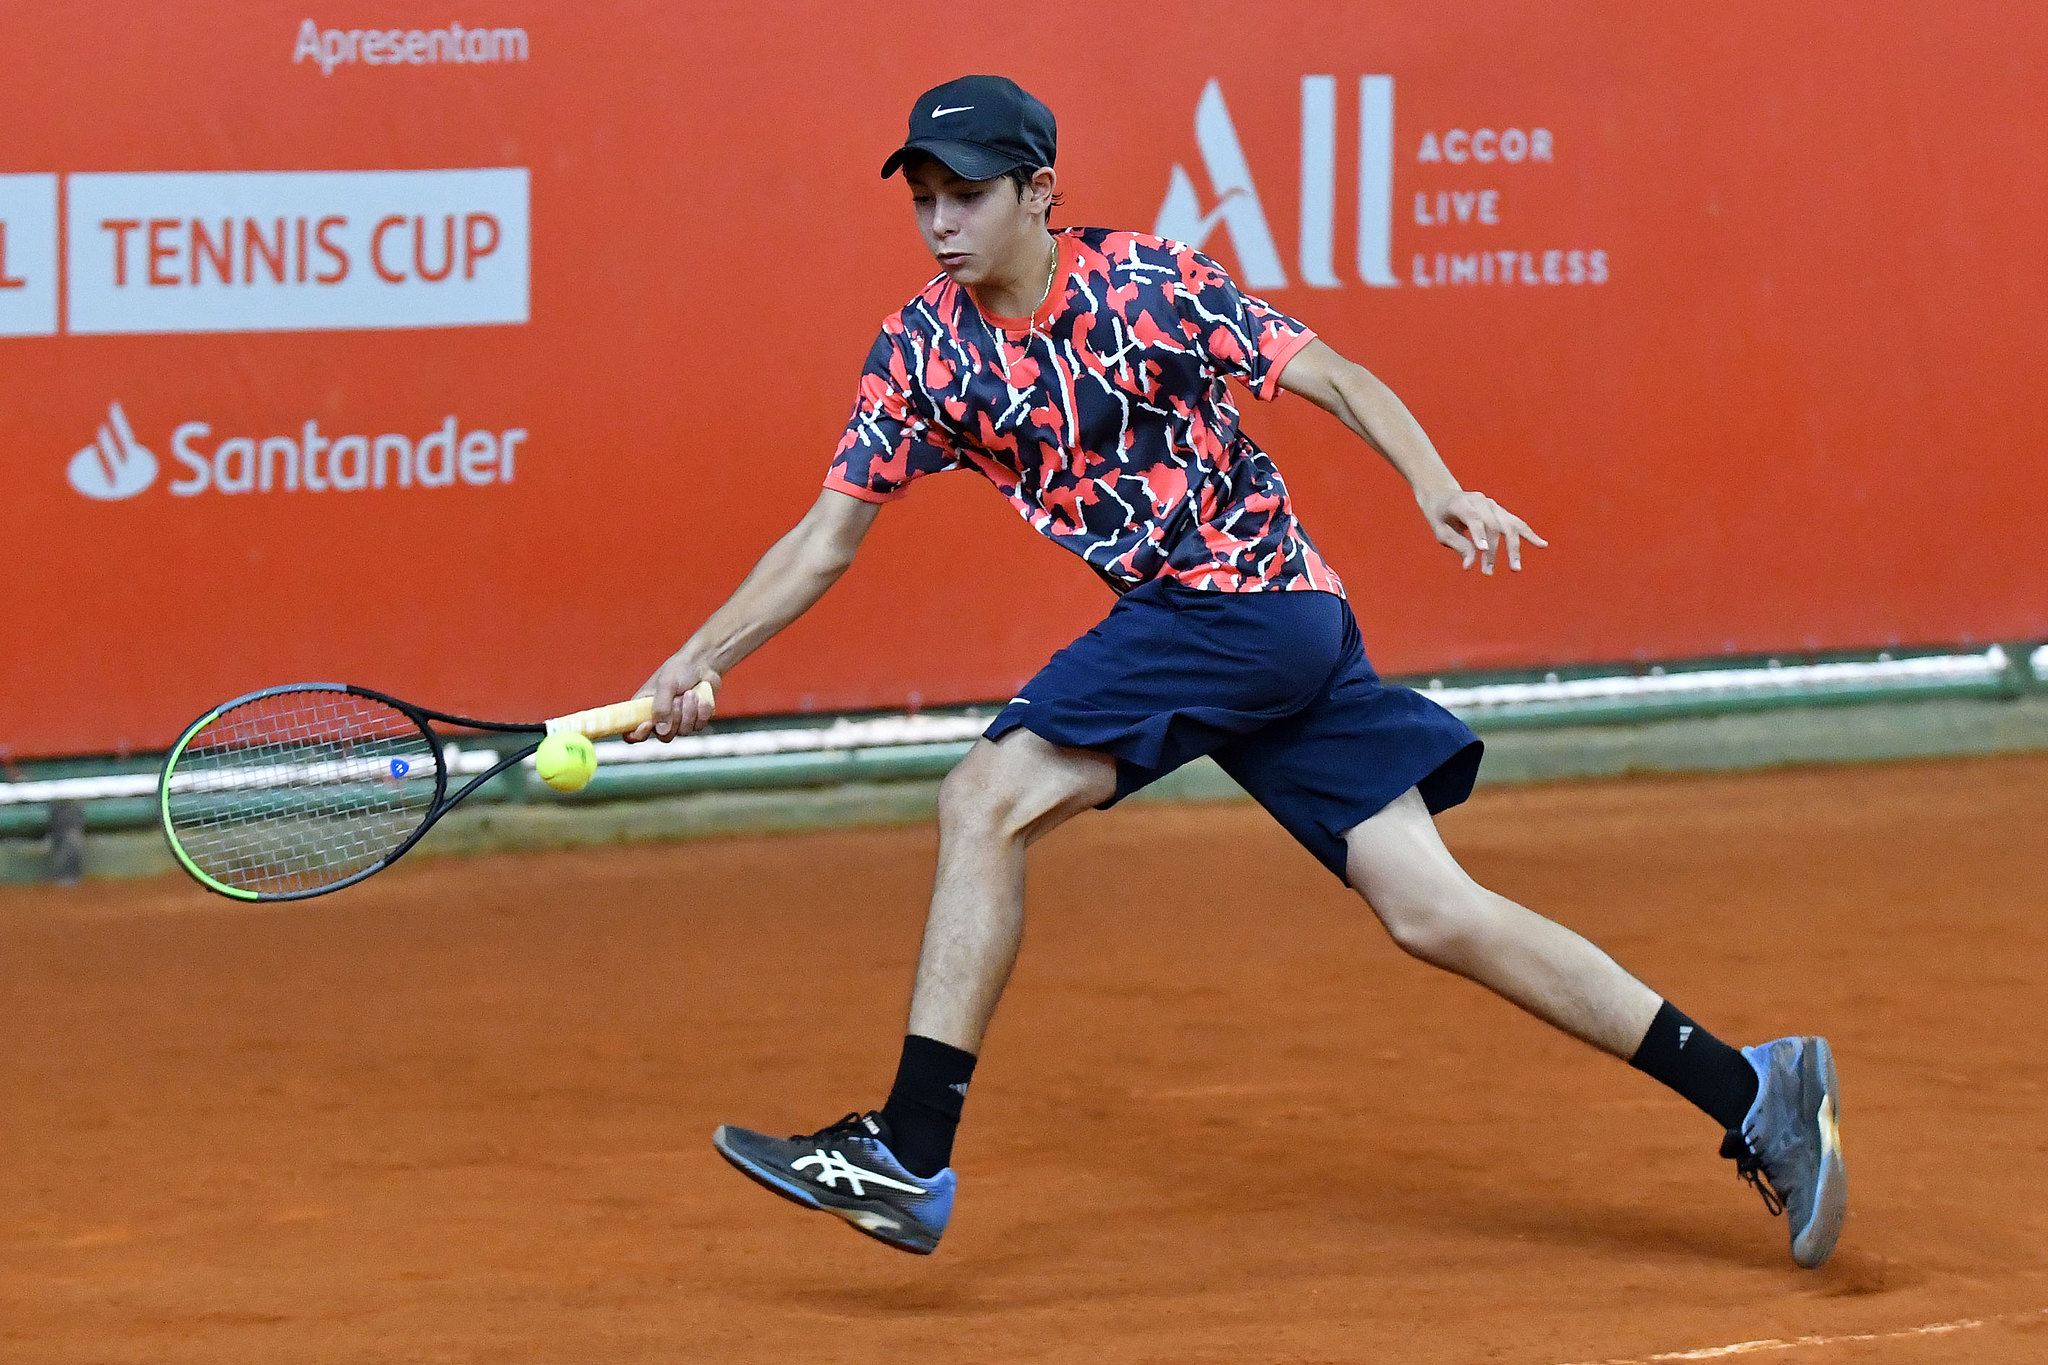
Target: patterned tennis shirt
[1104, 418]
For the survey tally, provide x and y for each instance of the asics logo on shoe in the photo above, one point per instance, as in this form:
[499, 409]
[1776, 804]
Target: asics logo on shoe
[1684, 1036]
[1830, 1128]
[833, 1167]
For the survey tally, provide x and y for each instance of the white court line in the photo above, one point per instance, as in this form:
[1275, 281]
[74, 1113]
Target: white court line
[1743, 1348]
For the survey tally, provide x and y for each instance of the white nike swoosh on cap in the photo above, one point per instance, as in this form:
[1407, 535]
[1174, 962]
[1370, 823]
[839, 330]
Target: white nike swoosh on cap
[956, 109]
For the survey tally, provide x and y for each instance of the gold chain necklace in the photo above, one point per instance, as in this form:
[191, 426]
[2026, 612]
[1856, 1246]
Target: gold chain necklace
[1002, 360]
[1052, 268]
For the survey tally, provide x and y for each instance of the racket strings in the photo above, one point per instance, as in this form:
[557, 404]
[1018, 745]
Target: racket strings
[299, 790]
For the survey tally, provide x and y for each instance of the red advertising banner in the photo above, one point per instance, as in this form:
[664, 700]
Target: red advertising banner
[478, 361]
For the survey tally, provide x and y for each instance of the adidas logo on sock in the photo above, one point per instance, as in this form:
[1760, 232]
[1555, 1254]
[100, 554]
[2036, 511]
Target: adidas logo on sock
[960, 1087]
[1684, 1036]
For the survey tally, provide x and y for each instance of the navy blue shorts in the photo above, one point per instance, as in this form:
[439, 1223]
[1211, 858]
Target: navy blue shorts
[1274, 686]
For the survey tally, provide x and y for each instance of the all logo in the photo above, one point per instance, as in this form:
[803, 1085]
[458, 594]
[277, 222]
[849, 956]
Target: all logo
[1237, 207]
[1456, 225]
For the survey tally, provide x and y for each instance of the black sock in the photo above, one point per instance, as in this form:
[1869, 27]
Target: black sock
[924, 1105]
[1697, 1065]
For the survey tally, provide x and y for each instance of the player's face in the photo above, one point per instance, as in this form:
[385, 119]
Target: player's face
[973, 228]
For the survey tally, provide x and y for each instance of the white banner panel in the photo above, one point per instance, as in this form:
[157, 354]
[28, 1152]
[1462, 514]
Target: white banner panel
[28, 255]
[276, 251]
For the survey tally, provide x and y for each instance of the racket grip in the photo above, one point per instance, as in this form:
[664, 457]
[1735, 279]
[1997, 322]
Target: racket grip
[602, 722]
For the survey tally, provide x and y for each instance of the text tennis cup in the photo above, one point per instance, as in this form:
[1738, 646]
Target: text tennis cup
[296, 791]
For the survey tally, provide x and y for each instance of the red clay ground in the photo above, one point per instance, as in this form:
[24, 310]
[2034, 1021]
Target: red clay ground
[460, 1113]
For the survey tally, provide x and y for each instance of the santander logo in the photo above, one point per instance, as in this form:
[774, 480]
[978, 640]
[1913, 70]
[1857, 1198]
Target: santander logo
[115, 465]
[454, 454]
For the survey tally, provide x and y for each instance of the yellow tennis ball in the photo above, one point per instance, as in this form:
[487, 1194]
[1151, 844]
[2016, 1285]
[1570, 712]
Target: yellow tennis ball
[566, 761]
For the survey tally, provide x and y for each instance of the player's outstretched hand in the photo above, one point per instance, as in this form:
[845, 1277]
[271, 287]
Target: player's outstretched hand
[678, 709]
[1476, 527]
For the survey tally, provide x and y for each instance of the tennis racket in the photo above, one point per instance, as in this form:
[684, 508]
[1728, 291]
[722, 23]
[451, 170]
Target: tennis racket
[297, 791]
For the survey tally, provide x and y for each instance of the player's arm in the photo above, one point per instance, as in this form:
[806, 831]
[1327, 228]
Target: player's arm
[1471, 523]
[787, 582]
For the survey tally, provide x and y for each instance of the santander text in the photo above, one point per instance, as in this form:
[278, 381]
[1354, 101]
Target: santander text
[315, 463]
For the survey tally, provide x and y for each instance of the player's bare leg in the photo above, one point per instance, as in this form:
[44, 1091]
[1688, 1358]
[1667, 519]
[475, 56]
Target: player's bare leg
[1000, 799]
[1436, 912]
[1777, 1101]
[889, 1173]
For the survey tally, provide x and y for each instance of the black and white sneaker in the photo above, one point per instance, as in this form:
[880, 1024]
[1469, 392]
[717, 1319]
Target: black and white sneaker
[847, 1169]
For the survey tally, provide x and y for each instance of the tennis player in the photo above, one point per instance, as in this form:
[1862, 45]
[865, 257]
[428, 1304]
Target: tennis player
[1083, 372]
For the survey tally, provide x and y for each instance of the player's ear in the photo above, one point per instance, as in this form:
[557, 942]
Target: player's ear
[1039, 196]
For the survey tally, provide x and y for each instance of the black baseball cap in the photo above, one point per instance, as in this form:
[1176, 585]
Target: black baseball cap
[980, 127]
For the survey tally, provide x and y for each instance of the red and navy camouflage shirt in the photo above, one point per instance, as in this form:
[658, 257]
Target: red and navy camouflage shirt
[1104, 417]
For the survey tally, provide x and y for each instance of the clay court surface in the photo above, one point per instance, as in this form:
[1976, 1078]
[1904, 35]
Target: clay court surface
[461, 1113]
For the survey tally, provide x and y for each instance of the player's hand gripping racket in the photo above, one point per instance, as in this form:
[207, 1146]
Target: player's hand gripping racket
[297, 791]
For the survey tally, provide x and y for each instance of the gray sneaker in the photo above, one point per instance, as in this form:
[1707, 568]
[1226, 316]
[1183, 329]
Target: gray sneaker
[1790, 1143]
[847, 1168]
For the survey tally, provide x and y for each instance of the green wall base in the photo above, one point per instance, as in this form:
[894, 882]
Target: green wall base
[1835, 734]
